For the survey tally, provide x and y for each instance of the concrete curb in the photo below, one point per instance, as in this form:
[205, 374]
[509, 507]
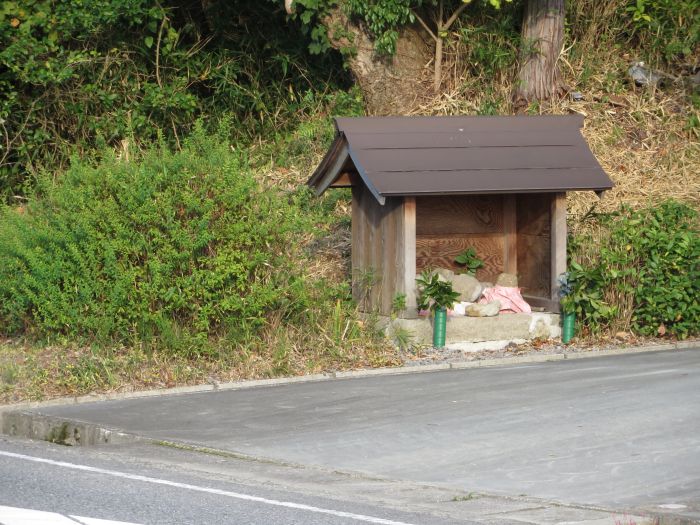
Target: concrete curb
[349, 374]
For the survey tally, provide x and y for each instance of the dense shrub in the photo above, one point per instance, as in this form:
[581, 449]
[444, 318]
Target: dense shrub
[175, 246]
[78, 74]
[640, 270]
[669, 28]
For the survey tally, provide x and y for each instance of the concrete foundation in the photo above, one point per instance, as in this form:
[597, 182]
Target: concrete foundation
[463, 331]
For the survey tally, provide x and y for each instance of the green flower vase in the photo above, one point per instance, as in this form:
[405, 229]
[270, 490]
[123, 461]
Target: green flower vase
[568, 327]
[439, 327]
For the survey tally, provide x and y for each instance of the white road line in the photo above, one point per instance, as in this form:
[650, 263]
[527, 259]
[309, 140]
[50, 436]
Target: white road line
[17, 516]
[209, 490]
[95, 521]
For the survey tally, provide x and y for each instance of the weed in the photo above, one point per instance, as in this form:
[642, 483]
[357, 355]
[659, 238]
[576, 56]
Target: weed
[466, 497]
[403, 338]
[365, 280]
[58, 435]
[398, 304]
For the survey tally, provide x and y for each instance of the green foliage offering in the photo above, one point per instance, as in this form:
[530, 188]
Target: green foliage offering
[647, 273]
[469, 260]
[434, 294]
[170, 250]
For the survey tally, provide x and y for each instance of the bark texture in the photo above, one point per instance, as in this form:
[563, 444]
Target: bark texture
[391, 85]
[542, 40]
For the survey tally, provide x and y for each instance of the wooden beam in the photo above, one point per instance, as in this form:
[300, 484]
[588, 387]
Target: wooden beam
[357, 242]
[510, 234]
[558, 240]
[542, 302]
[407, 252]
[333, 171]
[345, 180]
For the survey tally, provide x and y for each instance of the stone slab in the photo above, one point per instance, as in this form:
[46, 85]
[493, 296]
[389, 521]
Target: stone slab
[504, 327]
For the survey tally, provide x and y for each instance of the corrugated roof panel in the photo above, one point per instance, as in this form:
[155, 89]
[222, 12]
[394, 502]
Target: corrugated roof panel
[484, 181]
[467, 139]
[376, 160]
[461, 155]
[457, 123]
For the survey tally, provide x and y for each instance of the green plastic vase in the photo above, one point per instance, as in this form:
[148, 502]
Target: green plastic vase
[439, 327]
[568, 327]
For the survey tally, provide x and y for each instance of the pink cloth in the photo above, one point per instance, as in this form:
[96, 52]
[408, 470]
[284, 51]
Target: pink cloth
[510, 298]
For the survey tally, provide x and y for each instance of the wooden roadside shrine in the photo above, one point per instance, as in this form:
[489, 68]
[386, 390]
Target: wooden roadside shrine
[424, 189]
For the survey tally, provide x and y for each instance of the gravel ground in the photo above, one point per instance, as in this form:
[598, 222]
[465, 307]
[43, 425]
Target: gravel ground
[424, 356]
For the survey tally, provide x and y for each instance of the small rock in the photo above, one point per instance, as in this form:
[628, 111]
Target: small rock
[576, 96]
[618, 101]
[468, 287]
[460, 308]
[483, 310]
[695, 79]
[445, 274]
[507, 279]
[642, 75]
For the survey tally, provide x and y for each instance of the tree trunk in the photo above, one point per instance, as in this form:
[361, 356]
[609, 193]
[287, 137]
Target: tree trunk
[437, 75]
[391, 85]
[542, 39]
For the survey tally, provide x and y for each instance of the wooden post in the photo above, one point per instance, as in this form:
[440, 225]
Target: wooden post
[407, 251]
[558, 240]
[357, 227]
[510, 234]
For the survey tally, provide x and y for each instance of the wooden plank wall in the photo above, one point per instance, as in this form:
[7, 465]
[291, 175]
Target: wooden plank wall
[448, 225]
[558, 247]
[534, 253]
[394, 242]
[379, 266]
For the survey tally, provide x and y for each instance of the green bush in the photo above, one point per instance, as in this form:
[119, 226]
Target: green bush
[76, 75]
[640, 271]
[171, 249]
[669, 28]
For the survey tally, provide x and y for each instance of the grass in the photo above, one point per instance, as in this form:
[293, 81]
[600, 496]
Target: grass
[466, 497]
[33, 372]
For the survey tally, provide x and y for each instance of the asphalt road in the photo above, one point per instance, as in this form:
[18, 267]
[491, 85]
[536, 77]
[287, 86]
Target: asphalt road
[37, 476]
[616, 432]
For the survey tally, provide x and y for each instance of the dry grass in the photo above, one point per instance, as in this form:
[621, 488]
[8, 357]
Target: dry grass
[30, 372]
[640, 136]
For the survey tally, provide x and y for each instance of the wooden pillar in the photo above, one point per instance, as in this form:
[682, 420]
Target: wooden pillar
[407, 255]
[357, 226]
[510, 234]
[558, 240]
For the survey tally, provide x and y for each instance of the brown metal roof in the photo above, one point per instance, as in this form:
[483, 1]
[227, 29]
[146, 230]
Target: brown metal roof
[398, 156]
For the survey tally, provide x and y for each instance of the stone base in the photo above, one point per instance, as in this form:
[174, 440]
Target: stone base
[503, 328]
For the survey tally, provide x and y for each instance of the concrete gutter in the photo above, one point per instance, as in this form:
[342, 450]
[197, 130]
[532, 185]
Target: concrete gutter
[72, 432]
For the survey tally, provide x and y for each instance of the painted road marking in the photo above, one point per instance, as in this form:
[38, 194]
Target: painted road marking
[209, 490]
[17, 516]
[95, 521]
